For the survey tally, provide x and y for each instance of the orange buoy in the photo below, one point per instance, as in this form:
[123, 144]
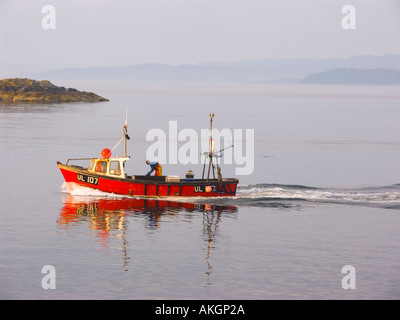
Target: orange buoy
[106, 153]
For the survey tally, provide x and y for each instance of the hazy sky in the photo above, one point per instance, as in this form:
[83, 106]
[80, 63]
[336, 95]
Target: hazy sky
[128, 32]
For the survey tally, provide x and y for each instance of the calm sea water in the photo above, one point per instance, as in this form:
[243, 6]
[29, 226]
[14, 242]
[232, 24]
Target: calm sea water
[324, 193]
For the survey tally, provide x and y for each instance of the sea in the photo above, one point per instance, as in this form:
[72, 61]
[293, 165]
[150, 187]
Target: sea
[316, 215]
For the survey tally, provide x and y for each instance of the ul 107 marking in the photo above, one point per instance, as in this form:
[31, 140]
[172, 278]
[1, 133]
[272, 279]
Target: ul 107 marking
[88, 179]
[204, 188]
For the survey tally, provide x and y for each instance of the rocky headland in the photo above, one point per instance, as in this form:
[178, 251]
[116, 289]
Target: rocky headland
[18, 90]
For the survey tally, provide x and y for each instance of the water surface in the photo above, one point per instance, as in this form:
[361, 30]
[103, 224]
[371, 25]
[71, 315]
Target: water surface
[325, 193]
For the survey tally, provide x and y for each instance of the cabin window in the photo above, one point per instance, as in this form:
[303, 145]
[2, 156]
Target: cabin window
[91, 165]
[115, 168]
[101, 166]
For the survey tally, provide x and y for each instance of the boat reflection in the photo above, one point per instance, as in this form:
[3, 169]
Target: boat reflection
[108, 217]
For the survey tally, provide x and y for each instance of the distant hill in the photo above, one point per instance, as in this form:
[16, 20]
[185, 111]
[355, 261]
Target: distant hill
[354, 76]
[267, 70]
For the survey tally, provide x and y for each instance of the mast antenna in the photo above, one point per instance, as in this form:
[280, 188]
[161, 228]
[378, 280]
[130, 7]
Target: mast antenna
[126, 137]
[211, 155]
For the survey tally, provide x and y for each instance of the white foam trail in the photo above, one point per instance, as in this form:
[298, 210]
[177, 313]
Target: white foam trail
[75, 189]
[320, 195]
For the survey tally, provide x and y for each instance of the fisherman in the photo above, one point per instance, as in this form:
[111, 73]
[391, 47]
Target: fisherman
[154, 166]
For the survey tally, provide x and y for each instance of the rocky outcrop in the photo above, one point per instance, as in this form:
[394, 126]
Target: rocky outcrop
[17, 90]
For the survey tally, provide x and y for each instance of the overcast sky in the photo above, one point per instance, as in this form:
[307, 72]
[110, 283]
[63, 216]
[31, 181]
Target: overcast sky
[129, 32]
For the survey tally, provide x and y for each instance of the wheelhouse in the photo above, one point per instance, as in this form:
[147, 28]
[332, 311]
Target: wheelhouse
[112, 167]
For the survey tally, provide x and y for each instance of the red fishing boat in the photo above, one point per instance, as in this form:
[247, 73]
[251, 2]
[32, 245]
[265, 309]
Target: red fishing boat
[107, 174]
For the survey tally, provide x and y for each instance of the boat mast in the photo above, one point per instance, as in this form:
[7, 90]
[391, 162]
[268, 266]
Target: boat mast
[126, 137]
[125, 133]
[210, 153]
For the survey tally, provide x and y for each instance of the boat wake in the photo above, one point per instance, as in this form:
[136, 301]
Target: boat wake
[297, 196]
[278, 196]
[294, 195]
[80, 191]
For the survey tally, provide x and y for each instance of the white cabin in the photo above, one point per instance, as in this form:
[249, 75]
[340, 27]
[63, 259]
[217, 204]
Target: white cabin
[112, 167]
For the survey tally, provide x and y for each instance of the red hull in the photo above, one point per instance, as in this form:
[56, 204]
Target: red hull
[146, 186]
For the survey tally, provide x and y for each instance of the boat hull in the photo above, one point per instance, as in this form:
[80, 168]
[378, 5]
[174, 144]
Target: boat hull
[149, 186]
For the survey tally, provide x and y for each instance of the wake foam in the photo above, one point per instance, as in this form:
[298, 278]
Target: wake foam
[75, 189]
[387, 197]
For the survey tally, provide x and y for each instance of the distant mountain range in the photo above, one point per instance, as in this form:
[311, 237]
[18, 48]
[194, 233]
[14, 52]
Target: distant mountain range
[354, 76]
[250, 71]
